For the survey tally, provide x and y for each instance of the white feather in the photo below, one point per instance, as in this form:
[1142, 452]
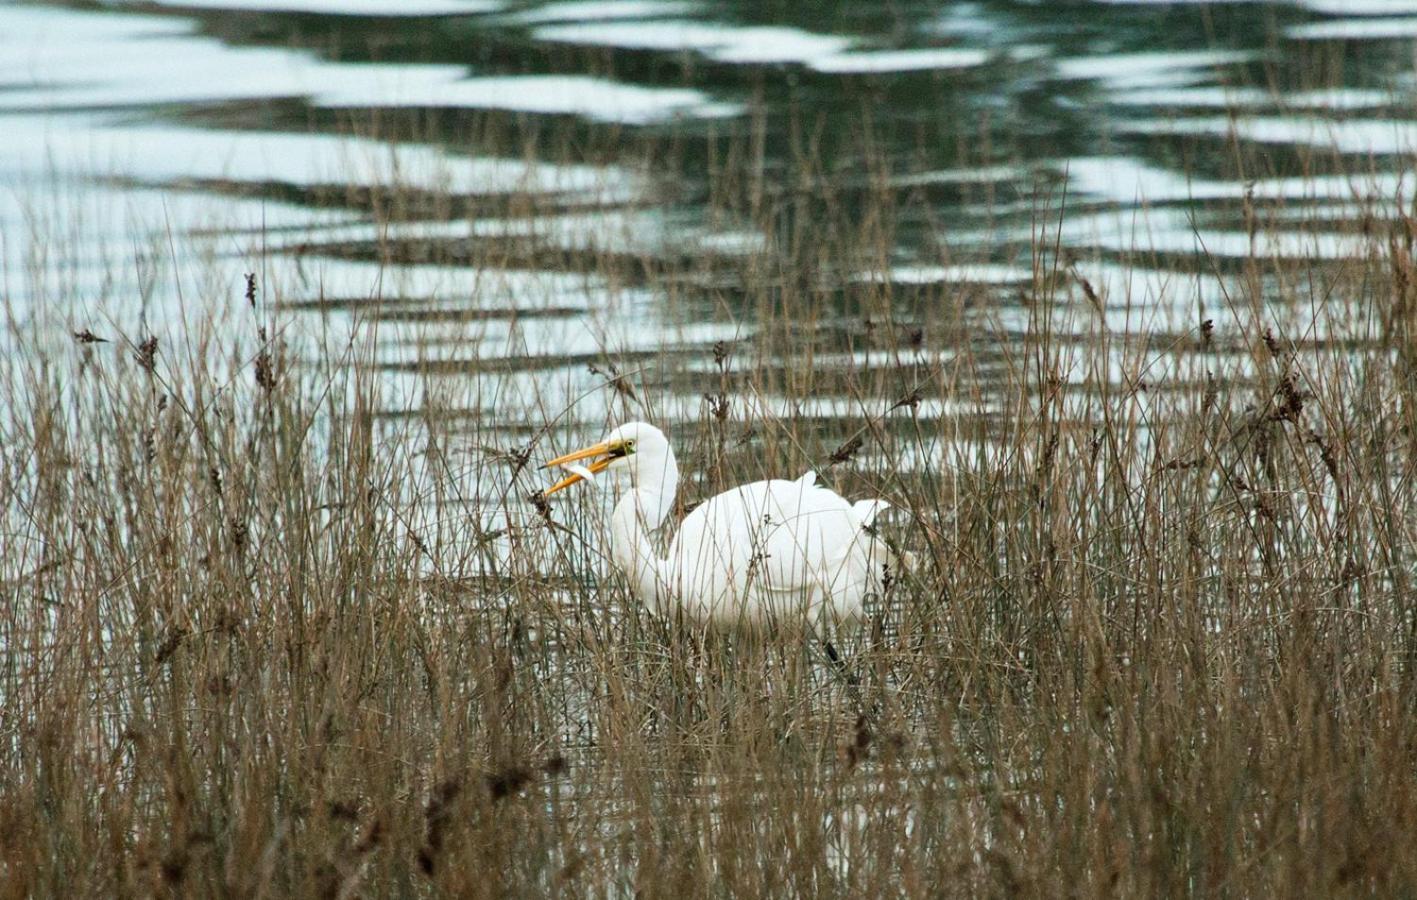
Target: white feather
[769, 551]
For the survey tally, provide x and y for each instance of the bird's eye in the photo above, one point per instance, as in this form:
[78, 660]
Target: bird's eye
[629, 446]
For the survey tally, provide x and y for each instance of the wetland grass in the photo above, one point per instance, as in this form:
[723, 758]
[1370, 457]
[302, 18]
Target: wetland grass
[263, 639]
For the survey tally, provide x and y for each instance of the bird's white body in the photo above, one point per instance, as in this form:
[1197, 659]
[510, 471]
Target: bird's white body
[769, 552]
[775, 551]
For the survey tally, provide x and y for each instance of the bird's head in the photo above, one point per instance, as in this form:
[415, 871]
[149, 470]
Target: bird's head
[636, 448]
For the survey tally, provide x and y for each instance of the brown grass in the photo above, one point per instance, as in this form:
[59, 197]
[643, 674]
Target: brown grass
[261, 639]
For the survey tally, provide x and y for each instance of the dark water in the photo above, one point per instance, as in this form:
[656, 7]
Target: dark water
[153, 153]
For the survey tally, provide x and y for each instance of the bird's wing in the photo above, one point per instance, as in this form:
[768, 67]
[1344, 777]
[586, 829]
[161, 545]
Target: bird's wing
[819, 544]
[774, 547]
[867, 510]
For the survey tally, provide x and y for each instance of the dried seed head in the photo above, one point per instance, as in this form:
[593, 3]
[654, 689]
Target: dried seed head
[859, 749]
[435, 816]
[1291, 400]
[170, 645]
[518, 457]
[1091, 294]
[1272, 343]
[265, 372]
[508, 781]
[174, 867]
[239, 534]
[911, 400]
[718, 405]
[1326, 454]
[623, 386]
[1212, 393]
[146, 354]
[542, 505]
[847, 450]
[1178, 464]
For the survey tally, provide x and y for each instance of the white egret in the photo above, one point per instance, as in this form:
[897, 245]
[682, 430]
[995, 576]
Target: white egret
[771, 551]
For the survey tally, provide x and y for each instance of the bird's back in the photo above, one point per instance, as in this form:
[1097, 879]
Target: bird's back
[776, 550]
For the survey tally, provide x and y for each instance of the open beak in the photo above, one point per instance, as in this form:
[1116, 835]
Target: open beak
[604, 451]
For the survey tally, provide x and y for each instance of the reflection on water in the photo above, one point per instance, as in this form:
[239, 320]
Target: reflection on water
[258, 132]
[380, 8]
[748, 45]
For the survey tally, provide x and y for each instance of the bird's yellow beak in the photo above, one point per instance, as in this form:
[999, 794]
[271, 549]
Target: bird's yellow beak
[604, 450]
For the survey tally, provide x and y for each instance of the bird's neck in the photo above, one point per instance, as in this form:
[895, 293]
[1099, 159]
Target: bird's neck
[638, 513]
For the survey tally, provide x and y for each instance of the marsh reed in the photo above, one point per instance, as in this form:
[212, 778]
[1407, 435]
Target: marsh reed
[264, 635]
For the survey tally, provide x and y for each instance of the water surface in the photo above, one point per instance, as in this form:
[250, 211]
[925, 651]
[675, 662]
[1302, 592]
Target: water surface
[155, 152]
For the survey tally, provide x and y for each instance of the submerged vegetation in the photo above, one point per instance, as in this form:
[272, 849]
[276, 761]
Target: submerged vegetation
[283, 614]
